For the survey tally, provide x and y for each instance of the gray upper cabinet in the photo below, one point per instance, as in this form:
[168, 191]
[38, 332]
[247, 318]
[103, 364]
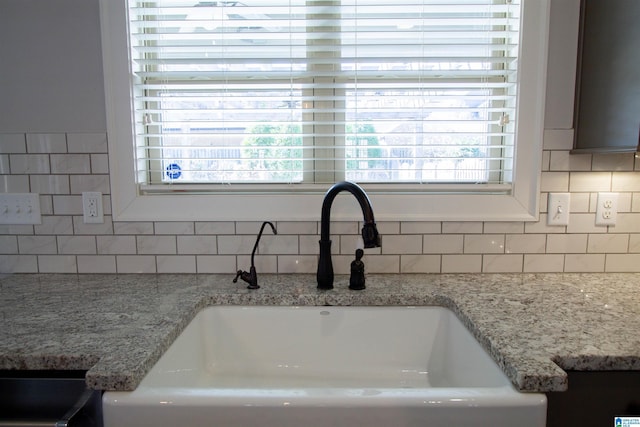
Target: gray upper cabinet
[607, 113]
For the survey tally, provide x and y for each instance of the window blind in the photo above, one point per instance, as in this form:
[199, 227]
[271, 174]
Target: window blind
[316, 91]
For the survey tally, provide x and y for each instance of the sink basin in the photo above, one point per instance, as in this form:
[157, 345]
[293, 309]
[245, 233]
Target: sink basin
[317, 366]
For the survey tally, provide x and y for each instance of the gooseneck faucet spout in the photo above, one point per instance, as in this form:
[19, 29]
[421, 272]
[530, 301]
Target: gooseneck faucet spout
[370, 234]
[251, 276]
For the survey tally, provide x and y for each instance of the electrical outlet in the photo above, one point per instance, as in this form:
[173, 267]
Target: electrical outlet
[20, 208]
[607, 209]
[558, 209]
[92, 207]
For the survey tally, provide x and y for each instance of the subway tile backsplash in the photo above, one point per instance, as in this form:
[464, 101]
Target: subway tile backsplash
[61, 166]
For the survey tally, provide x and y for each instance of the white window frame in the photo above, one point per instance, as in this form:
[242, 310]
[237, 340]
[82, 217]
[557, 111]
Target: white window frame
[302, 203]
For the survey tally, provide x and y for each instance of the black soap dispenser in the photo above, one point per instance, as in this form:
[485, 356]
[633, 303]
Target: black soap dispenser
[356, 281]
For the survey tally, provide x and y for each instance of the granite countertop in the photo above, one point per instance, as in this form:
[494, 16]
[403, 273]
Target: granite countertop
[535, 326]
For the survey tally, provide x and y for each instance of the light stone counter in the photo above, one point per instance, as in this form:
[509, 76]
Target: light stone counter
[535, 326]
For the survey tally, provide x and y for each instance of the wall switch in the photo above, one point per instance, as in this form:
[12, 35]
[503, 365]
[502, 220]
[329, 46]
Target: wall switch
[607, 209]
[558, 209]
[92, 207]
[20, 208]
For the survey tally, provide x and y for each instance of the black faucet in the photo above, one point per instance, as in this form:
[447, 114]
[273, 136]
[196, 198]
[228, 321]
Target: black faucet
[370, 234]
[251, 277]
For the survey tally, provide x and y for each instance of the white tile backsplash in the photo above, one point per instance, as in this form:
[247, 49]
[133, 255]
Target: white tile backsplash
[297, 264]
[176, 264]
[525, 243]
[14, 183]
[25, 164]
[504, 227]
[116, 245]
[567, 243]
[215, 228]
[57, 264]
[49, 184]
[296, 227]
[177, 228]
[279, 244]
[455, 227]
[443, 243]
[554, 182]
[461, 263]
[8, 244]
[588, 263]
[67, 204]
[499, 263]
[205, 245]
[624, 181]
[263, 264]
[234, 245]
[626, 223]
[99, 163]
[77, 245]
[96, 264]
[608, 243]
[133, 228]
[13, 143]
[590, 181]
[61, 166]
[622, 263]
[216, 264]
[420, 227]
[612, 162]
[46, 143]
[373, 263]
[55, 225]
[70, 163]
[81, 183]
[136, 264]
[87, 143]
[4, 164]
[402, 244]
[420, 263]
[484, 244]
[309, 244]
[19, 263]
[156, 244]
[634, 243]
[565, 161]
[543, 263]
[37, 245]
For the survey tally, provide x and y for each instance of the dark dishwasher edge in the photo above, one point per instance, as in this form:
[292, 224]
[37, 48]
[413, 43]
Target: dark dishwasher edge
[48, 398]
[42, 373]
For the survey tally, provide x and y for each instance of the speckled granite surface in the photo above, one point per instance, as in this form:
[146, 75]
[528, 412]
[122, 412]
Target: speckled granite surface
[117, 326]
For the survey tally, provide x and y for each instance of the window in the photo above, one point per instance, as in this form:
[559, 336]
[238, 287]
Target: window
[430, 104]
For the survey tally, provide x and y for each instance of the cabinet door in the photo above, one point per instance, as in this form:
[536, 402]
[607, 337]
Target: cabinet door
[608, 82]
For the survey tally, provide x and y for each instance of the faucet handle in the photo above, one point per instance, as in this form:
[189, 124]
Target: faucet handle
[251, 277]
[239, 274]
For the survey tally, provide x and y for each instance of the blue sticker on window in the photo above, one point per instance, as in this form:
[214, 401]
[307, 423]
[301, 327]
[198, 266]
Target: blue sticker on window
[174, 171]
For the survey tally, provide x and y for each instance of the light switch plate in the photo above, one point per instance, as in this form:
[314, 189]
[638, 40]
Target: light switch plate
[20, 208]
[558, 209]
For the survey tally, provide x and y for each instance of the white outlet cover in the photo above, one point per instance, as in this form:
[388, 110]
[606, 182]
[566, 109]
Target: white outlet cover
[607, 209]
[92, 207]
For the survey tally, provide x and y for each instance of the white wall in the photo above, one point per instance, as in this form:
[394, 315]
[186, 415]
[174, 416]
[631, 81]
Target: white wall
[51, 66]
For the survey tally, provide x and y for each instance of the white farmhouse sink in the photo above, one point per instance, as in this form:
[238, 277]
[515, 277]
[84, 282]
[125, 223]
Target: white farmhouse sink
[318, 366]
